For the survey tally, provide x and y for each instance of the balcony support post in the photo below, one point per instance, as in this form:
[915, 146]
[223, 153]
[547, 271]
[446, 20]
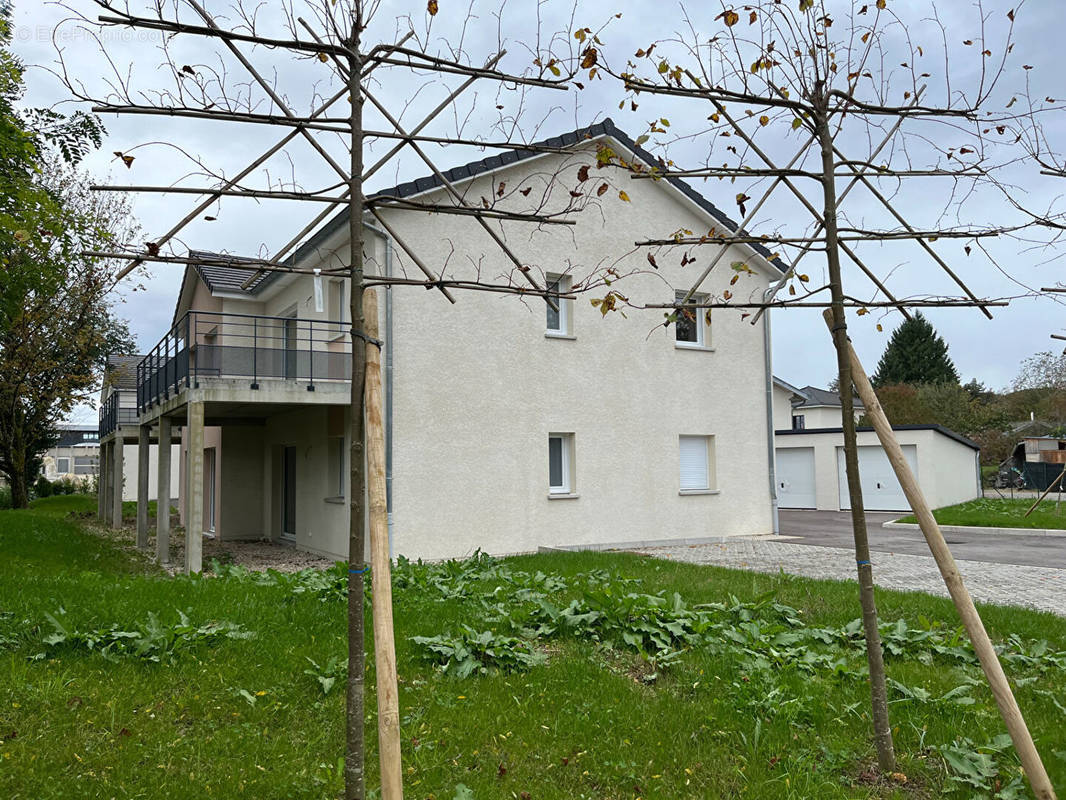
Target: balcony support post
[102, 507]
[116, 480]
[142, 486]
[162, 494]
[194, 489]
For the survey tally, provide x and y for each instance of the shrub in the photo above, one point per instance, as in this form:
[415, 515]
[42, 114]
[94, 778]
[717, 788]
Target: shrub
[5, 496]
[43, 487]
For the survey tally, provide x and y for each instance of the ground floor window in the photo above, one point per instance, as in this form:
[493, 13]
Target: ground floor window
[560, 463]
[697, 473]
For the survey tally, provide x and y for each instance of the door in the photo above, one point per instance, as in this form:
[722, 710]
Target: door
[290, 348]
[880, 489]
[795, 477]
[210, 502]
[288, 492]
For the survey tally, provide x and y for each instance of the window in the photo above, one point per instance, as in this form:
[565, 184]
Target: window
[336, 466]
[336, 306]
[697, 463]
[558, 319]
[560, 463]
[691, 326]
[62, 466]
[799, 422]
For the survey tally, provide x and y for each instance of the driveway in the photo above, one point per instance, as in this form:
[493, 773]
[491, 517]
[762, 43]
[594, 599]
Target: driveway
[833, 529]
[1010, 570]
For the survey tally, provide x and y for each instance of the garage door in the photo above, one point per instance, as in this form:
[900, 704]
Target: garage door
[880, 489]
[795, 477]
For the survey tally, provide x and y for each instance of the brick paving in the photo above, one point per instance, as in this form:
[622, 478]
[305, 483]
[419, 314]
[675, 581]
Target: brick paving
[1041, 588]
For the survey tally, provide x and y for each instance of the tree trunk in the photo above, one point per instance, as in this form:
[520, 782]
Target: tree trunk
[886, 756]
[20, 495]
[355, 751]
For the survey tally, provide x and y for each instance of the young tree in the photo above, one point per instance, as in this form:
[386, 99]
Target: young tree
[1044, 370]
[821, 80]
[915, 354]
[344, 49]
[56, 323]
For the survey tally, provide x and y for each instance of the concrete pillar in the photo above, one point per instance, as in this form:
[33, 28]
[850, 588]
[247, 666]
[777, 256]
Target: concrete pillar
[194, 489]
[101, 484]
[143, 432]
[162, 494]
[116, 483]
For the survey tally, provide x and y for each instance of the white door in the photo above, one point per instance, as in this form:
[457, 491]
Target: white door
[880, 489]
[795, 477]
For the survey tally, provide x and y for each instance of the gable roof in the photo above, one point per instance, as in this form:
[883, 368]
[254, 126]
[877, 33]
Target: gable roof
[121, 371]
[788, 387]
[813, 397]
[230, 279]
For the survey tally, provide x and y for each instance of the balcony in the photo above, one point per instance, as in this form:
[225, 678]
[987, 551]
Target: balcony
[112, 414]
[207, 346]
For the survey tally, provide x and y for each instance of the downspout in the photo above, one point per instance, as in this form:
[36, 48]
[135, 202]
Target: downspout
[770, 454]
[388, 376]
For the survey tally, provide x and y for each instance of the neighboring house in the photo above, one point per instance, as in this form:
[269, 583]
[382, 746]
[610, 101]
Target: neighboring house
[1041, 459]
[809, 468]
[118, 421]
[509, 426]
[75, 456]
[819, 408]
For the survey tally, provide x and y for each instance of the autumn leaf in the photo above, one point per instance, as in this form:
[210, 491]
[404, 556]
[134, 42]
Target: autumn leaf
[879, 328]
[796, 123]
[730, 18]
[728, 294]
[734, 279]
[791, 289]
[881, 4]
[499, 191]
[152, 248]
[188, 70]
[741, 200]
[323, 57]
[752, 17]
[1010, 15]
[525, 192]
[623, 196]
[764, 120]
[210, 219]
[583, 173]
[431, 7]
[803, 278]
[651, 260]
[588, 60]
[603, 188]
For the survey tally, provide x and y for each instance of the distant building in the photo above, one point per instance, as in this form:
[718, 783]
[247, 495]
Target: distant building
[75, 456]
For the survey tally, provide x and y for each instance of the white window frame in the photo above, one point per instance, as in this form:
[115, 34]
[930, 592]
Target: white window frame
[709, 484]
[563, 284]
[703, 332]
[566, 487]
[59, 464]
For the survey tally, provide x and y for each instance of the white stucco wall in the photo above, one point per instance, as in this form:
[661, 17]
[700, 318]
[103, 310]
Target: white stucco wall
[129, 471]
[947, 469]
[782, 408]
[479, 387]
[821, 416]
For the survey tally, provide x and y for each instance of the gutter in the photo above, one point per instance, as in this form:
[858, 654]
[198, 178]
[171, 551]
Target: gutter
[770, 453]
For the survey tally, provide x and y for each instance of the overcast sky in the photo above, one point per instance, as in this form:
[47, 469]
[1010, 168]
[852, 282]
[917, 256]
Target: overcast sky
[989, 350]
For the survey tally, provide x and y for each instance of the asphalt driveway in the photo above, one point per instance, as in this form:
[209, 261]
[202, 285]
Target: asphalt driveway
[833, 529]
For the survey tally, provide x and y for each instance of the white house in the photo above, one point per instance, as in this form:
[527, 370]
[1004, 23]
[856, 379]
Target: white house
[75, 455]
[509, 426]
[809, 470]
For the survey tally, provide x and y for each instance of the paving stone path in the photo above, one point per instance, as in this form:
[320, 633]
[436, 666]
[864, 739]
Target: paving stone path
[1041, 588]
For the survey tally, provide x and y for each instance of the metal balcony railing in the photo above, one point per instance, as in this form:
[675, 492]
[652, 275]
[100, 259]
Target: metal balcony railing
[112, 414]
[209, 344]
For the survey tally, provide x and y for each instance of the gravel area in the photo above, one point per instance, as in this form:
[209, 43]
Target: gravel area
[1042, 588]
[262, 555]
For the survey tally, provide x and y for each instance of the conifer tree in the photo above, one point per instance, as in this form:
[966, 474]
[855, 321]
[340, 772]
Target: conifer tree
[915, 354]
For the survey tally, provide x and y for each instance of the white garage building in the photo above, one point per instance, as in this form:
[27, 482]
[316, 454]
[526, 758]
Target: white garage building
[810, 464]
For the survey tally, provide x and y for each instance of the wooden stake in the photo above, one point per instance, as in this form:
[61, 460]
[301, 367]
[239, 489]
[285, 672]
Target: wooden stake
[384, 637]
[1047, 491]
[982, 645]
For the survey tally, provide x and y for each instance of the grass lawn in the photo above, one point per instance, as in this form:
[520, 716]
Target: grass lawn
[996, 513]
[572, 681]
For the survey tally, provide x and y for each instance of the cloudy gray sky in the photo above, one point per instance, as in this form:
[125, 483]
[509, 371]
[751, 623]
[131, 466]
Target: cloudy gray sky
[988, 350]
